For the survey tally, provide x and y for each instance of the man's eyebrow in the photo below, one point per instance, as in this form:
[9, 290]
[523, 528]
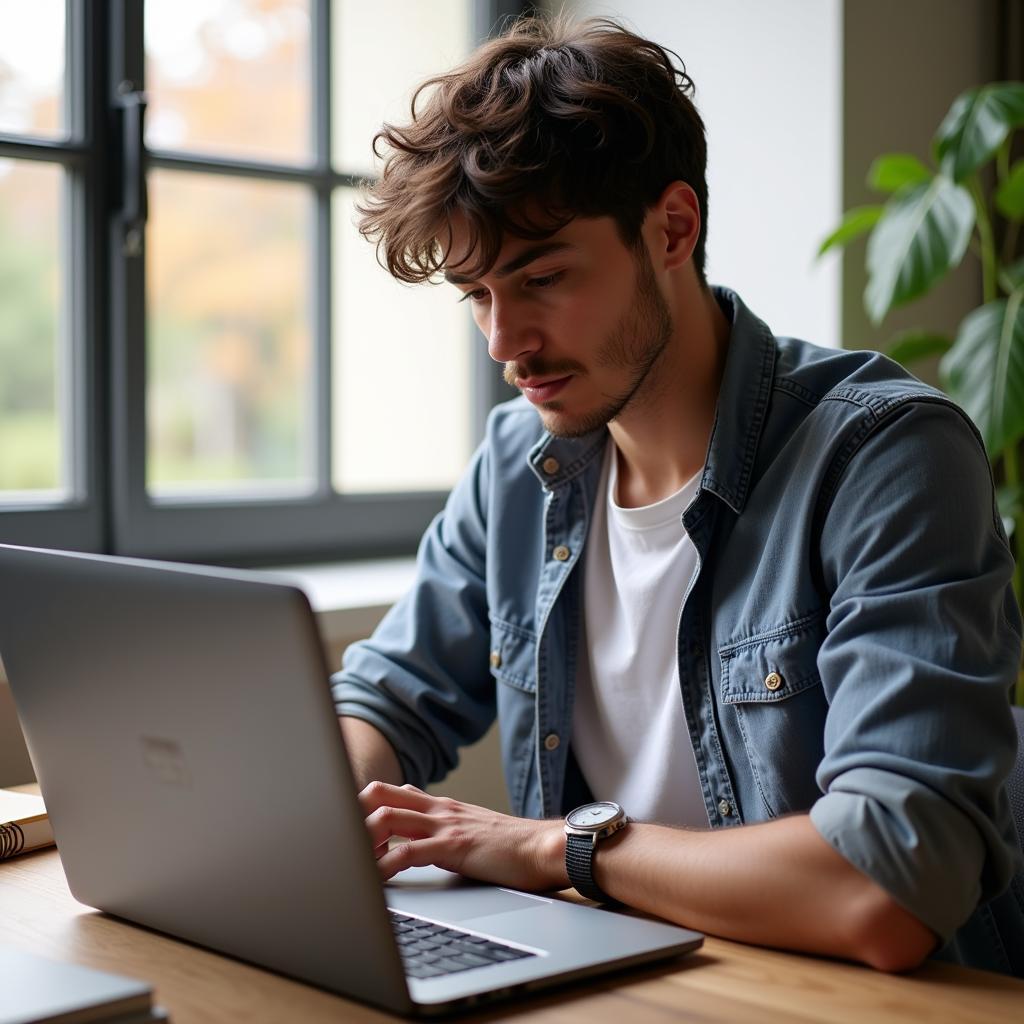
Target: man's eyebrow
[526, 257]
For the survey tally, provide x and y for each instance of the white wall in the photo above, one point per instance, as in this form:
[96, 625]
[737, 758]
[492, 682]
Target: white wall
[768, 78]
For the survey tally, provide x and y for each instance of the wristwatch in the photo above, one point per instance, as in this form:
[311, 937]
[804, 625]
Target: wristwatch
[585, 827]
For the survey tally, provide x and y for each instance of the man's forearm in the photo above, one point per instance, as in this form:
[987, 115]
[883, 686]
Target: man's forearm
[774, 884]
[372, 757]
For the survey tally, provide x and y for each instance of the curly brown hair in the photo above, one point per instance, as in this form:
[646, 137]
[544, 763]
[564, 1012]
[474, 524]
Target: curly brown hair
[549, 121]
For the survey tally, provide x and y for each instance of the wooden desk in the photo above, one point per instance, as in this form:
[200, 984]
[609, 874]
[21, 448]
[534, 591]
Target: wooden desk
[725, 981]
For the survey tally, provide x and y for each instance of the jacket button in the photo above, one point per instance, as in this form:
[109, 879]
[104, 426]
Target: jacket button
[551, 741]
[772, 681]
[561, 553]
[724, 808]
[549, 465]
[495, 659]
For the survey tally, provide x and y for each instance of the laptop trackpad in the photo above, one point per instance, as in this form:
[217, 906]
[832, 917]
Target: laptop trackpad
[436, 893]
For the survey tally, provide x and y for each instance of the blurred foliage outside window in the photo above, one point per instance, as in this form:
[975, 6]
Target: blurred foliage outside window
[30, 300]
[229, 277]
[230, 77]
[229, 332]
[31, 256]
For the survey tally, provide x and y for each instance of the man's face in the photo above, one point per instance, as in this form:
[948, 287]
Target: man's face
[577, 319]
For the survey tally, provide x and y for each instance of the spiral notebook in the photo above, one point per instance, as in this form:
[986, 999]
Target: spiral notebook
[24, 825]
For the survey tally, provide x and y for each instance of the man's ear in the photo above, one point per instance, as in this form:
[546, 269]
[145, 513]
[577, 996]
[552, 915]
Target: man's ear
[672, 226]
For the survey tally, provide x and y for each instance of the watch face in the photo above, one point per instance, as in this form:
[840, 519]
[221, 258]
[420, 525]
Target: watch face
[594, 816]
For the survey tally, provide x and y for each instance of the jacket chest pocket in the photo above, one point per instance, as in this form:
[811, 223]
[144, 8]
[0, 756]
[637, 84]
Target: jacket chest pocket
[774, 707]
[513, 665]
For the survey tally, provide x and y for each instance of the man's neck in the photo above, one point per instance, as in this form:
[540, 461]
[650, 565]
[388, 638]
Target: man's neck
[662, 438]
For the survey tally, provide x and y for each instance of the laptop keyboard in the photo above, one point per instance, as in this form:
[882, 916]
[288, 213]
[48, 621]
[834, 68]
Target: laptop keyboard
[429, 950]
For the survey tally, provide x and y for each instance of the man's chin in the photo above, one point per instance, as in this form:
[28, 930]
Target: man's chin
[560, 423]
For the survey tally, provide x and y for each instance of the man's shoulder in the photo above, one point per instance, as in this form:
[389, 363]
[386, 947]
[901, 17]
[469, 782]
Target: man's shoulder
[849, 382]
[842, 397]
[864, 379]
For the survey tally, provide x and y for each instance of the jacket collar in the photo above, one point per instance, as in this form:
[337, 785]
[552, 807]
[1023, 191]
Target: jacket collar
[739, 415]
[742, 403]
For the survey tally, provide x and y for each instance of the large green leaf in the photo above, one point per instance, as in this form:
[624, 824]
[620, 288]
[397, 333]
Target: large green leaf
[923, 233]
[894, 170]
[976, 126]
[912, 346]
[855, 222]
[1012, 276]
[1010, 194]
[984, 370]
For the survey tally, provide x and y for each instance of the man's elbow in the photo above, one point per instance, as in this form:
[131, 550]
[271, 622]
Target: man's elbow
[890, 938]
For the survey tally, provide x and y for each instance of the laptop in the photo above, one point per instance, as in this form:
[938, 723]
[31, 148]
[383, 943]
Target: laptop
[181, 726]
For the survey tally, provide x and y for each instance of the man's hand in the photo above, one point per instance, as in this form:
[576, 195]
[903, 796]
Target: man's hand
[473, 841]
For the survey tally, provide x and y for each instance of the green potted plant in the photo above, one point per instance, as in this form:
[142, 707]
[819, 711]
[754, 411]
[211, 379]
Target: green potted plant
[934, 214]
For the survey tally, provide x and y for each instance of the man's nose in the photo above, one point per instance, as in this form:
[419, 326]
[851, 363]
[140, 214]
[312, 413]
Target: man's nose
[509, 336]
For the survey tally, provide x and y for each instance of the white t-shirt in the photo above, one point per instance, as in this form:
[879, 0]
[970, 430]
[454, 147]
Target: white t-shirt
[629, 734]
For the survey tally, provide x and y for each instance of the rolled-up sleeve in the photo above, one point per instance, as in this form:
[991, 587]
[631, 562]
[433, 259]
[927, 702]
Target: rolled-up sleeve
[923, 644]
[422, 677]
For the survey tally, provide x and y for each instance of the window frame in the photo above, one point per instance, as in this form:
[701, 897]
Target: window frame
[112, 510]
[78, 521]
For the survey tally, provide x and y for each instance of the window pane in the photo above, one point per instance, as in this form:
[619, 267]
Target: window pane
[229, 335]
[230, 77]
[31, 353]
[32, 67]
[381, 52]
[402, 375]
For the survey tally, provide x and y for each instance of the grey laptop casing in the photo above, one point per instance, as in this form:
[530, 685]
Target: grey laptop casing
[186, 744]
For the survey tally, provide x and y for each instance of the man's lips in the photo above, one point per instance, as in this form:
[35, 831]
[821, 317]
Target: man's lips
[539, 389]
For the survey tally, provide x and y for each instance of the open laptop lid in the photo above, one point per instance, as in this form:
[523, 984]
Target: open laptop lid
[200, 701]
[181, 725]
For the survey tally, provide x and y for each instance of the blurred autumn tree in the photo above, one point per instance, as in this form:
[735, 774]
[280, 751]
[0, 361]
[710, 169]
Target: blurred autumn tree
[30, 290]
[228, 276]
[228, 281]
[30, 274]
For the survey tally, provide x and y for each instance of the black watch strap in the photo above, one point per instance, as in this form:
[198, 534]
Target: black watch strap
[579, 866]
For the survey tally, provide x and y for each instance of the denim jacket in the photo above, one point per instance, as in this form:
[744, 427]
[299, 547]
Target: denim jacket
[846, 645]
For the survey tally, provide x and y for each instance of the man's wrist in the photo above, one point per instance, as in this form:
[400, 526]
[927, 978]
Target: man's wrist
[607, 857]
[551, 850]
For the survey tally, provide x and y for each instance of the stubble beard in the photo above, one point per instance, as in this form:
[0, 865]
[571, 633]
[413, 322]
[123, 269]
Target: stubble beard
[637, 343]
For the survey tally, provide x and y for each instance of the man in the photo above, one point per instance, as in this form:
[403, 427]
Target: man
[717, 577]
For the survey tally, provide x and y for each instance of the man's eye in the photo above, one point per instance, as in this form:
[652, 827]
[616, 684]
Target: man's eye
[546, 281]
[476, 295]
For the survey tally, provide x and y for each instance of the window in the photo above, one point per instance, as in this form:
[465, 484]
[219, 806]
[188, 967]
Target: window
[199, 356]
[49, 467]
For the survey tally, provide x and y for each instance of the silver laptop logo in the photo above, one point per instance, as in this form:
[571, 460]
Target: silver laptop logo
[166, 761]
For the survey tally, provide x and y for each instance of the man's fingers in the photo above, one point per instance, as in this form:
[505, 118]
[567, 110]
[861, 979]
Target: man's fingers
[418, 854]
[382, 794]
[386, 822]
